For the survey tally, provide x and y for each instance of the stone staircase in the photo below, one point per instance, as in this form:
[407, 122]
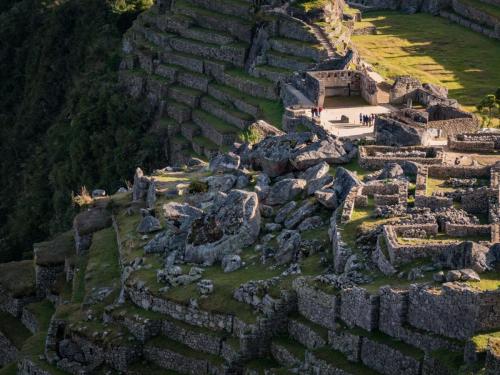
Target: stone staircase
[189, 62]
[324, 40]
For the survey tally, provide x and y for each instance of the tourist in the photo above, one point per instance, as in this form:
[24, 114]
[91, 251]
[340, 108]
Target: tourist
[313, 112]
[320, 109]
[361, 118]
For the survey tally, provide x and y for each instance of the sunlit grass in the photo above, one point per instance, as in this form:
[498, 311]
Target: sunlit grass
[434, 50]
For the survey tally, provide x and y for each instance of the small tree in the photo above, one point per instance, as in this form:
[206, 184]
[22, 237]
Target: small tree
[488, 108]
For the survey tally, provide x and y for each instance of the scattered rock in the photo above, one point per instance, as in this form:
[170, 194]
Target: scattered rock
[285, 191]
[224, 163]
[288, 245]
[205, 287]
[231, 263]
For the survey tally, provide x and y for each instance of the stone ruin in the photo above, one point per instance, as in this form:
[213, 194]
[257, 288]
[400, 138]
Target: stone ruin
[211, 70]
[300, 253]
[464, 13]
[409, 127]
[260, 217]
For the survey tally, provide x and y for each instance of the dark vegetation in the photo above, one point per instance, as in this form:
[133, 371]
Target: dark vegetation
[64, 122]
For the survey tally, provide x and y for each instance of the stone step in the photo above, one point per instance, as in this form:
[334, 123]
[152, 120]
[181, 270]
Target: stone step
[207, 36]
[288, 352]
[239, 100]
[158, 37]
[185, 95]
[213, 128]
[186, 61]
[168, 71]
[376, 350]
[253, 86]
[272, 73]
[233, 53]
[226, 113]
[171, 355]
[330, 361]
[204, 146]
[190, 130]
[293, 47]
[194, 80]
[172, 22]
[236, 8]
[286, 61]
[236, 26]
[168, 124]
[307, 333]
[178, 111]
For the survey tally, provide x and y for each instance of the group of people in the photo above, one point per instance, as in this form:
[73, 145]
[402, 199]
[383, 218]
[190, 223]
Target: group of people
[316, 111]
[367, 120]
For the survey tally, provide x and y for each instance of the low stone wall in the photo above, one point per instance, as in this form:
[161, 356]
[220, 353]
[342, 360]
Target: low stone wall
[448, 171]
[346, 343]
[190, 315]
[459, 230]
[171, 360]
[434, 203]
[387, 360]
[404, 253]
[28, 367]
[375, 157]
[359, 308]
[14, 305]
[303, 334]
[477, 201]
[284, 356]
[30, 320]
[317, 306]
[8, 352]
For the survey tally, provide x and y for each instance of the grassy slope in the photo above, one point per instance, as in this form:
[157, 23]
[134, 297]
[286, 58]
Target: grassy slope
[434, 50]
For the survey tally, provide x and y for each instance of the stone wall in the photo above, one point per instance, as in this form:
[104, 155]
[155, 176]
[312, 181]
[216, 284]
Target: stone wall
[359, 308]
[460, 230]
[322, 84]
[375, 157]
[474, 142]
[317, 306]
[8, 352]
[387, 360]
[455, 310]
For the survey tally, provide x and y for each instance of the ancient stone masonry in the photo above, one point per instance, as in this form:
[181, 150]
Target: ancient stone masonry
[375, 157]
[461, 12]
[209, 70]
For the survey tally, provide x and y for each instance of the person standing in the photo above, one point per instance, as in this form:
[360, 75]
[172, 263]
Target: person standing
[361, 119]
[320, 109]
[313, 110]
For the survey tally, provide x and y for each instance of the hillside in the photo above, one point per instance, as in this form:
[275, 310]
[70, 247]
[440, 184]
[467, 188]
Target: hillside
[65, 122]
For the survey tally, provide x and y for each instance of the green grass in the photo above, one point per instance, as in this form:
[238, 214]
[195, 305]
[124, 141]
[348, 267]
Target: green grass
[489, 281]
[434, 50]
[490, 9]
[292, 346]
[166, 343]
[13, 329]
[481, 340]
[272, 110]
[224, 285]
[103, 268]
[219, 125]
[451, 360]
[9, 369]
[18, 278]
[308, 5]
[338, 360]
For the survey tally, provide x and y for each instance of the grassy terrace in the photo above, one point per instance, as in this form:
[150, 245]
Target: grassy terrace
[434, 50]
[272, 111]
